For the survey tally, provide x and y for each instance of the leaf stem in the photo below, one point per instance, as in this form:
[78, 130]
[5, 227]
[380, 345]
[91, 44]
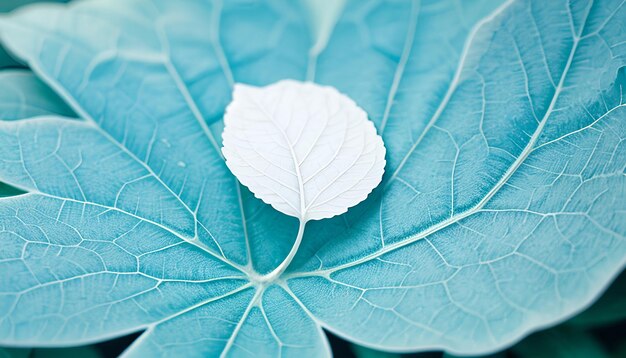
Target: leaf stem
[283, 265]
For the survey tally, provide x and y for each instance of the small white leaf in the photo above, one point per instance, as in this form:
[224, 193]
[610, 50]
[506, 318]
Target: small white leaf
[307, 150]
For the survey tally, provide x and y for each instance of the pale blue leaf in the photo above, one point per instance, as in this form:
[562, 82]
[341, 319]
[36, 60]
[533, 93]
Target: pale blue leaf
[503, 211]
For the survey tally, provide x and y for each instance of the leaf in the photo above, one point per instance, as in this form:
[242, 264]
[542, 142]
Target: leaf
[307, 150]
[502, 209]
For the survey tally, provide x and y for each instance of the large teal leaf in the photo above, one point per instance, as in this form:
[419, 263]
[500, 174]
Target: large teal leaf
[503, 209]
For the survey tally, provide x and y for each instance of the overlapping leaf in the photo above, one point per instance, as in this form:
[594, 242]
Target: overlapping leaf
[503, 209]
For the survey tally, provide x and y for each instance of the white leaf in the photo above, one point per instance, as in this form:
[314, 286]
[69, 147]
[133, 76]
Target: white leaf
[307, 150]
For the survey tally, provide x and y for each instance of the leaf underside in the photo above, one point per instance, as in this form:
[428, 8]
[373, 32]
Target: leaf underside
[503, 208]
[307, 150]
